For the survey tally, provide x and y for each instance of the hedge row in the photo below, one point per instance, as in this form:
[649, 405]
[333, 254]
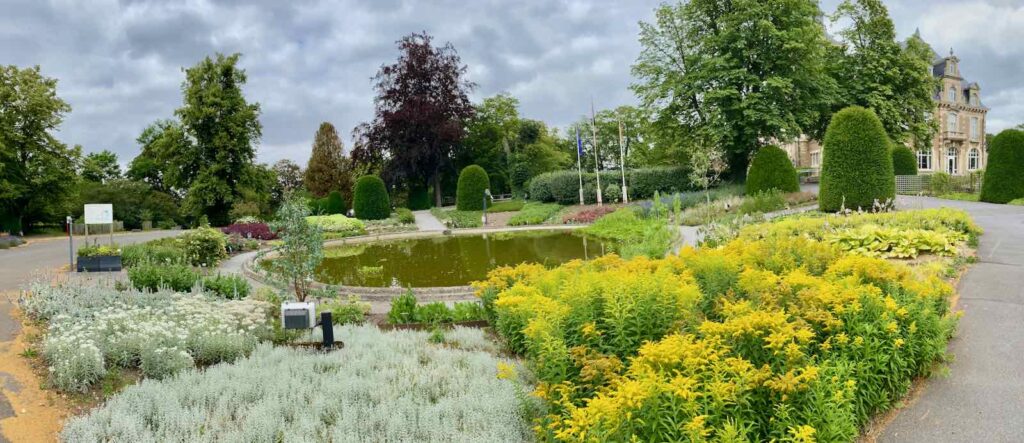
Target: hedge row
[1004, 181]
[563, 186]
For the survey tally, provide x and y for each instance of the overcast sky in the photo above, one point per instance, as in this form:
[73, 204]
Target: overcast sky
[119, 62]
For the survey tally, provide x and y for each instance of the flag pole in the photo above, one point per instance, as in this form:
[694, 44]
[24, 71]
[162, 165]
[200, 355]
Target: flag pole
[597, 152]
[622, 164]
[579, 161]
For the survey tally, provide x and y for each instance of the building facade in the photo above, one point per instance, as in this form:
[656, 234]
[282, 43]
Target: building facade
[958, 147]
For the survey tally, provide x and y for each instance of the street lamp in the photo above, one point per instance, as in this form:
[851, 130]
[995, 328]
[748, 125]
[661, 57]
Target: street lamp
[487, 193]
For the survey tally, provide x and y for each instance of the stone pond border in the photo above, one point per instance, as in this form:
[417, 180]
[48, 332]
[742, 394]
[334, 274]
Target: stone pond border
[423, 294]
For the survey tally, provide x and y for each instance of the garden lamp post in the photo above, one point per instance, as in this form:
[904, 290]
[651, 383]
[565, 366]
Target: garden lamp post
[487, 193]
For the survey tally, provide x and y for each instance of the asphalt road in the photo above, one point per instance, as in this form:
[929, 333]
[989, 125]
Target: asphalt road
[982, 398]
[18, 266]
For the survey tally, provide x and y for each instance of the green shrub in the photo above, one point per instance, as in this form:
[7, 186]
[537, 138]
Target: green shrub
[506, 206]
[534, 213]
[204, 246]
[99, 250]
[771, 169]
[370, 198]
[153, 252]
[635, 234]
[469, 196]
[419, 199]
[433, 313]
[857, 168]
[762, 202]
[468, 311]
[344, 312]
[154, 276]
[458, 219]
[612, 193]
[405, 216]
[1004, 179]
[338, 224]
[1016, 202]
[335, 203]
[403, 309]
[904, 161]
[563, 186]
[229, 286]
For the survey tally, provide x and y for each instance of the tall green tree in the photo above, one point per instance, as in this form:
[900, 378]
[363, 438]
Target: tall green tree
[37, 171]
[101, 167]
[289, 176]
[224, 127]
[328, 168]
[422, 106]
[875, 71]
[740, 73]
[166, 161]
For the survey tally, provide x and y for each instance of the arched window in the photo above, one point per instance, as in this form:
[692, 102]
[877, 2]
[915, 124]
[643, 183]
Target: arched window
[951, 160]
[924, 159]
[951, 122]
[973, 159]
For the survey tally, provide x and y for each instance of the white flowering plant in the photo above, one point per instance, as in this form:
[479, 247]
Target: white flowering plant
[100, 328]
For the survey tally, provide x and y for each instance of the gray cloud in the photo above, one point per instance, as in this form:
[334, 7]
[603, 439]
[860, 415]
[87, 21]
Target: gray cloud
[119, 62]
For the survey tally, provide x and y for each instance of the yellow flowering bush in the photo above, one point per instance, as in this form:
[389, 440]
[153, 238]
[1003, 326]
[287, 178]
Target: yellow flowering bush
[772, 336]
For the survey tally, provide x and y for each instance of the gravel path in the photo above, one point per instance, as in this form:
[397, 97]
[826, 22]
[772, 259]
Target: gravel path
[425, 221]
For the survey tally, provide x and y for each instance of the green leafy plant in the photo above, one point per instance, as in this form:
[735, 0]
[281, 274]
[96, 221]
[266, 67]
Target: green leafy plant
[151, 276]
[469, 196]
[370, 198]
[612, 193]
[204, 247]
[335, 203]
[458, 219]
[403, 309]
[534, 213]
[99, 250]
[301, 249]
[227, 286]
[507, 206]
[857, 167]
[771, 170]
[405, 216]
[433, 313]
[419, 198]
[344, 312]
[637, 235]
[338, 224]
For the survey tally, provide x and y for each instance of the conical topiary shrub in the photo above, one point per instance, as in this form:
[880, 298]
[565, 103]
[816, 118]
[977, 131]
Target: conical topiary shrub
[1004, 173]
[771, 169]
[370, 198]
[856, 170]
[469, 195]
[904, 162]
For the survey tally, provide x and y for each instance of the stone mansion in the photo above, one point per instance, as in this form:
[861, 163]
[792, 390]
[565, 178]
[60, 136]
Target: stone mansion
[959, 144]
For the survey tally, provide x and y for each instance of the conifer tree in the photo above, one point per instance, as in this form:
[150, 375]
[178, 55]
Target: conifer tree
[328, 169]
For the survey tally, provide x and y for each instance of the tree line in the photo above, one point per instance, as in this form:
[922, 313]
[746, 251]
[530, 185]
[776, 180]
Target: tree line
[714, 80]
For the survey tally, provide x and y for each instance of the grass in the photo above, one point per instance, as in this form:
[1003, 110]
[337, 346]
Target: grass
[458, 219]
[637, 235]
[507, 206]
[534, 213]
[1017, 202]
[962, 196]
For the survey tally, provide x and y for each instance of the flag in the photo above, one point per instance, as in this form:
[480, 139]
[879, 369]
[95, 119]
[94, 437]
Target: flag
[579, 144]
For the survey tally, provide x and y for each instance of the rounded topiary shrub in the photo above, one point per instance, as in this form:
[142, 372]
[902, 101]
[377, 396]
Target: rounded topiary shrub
[419, 198]
[771, 169]
[469, 195]
[904, 162]
[612, 193]
[370, 198]
[334, 203]
[856, 169]
[1004, 180]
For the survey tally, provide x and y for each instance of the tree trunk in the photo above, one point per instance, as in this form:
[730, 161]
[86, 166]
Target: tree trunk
[435, 180]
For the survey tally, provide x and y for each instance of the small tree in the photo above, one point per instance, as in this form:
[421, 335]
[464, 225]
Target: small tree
[302, 246]
[857, 169]
[370, 199]
[904, 162]
[707, 163]
[469, 195]
[771, 169]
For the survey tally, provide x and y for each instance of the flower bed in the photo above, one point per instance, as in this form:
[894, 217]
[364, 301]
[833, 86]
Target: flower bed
[338, 224]
[781, 338]
[534, 213]
[258, 231]
[589, 215]
[96, 328]
[393, 386]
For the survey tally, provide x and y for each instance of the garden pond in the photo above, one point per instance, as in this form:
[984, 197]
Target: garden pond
[451, 260]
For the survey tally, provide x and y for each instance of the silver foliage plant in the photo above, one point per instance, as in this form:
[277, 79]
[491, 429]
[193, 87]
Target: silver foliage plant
[93, 328]
[382, 386]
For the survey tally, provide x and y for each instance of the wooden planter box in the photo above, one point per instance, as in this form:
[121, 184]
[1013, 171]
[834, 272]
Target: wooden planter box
[104, 263]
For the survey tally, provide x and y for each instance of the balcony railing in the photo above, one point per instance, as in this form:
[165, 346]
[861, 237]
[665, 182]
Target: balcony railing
[954, 135]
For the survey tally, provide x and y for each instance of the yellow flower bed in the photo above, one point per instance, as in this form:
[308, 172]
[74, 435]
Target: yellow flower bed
[777, 336]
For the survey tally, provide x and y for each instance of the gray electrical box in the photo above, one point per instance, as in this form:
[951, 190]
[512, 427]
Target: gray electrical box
[295, 315]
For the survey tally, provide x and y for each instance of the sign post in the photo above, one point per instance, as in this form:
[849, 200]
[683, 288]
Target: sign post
[71, 243]
[99, 214]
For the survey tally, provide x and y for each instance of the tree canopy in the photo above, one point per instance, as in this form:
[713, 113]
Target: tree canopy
[422, 102]
[101, 167]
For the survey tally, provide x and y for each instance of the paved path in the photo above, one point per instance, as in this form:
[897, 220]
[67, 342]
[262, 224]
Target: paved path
[18, 266]
[982, 398]
[425, 221]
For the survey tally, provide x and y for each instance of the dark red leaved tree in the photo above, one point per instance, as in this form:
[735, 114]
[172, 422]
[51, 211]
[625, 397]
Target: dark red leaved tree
[422, 103]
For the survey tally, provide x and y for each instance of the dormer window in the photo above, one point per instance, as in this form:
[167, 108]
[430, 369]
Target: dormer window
[974, 98]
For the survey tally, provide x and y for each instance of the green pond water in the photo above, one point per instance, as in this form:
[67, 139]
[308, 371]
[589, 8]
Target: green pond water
[452, 260]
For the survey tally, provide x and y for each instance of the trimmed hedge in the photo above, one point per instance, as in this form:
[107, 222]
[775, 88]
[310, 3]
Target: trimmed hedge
[469, 196]
[1004, 180]
[771, 169]
[370, 198]
[419, 199]
[904, 161]
[563, 186]
[335, 204]
[857, 168]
